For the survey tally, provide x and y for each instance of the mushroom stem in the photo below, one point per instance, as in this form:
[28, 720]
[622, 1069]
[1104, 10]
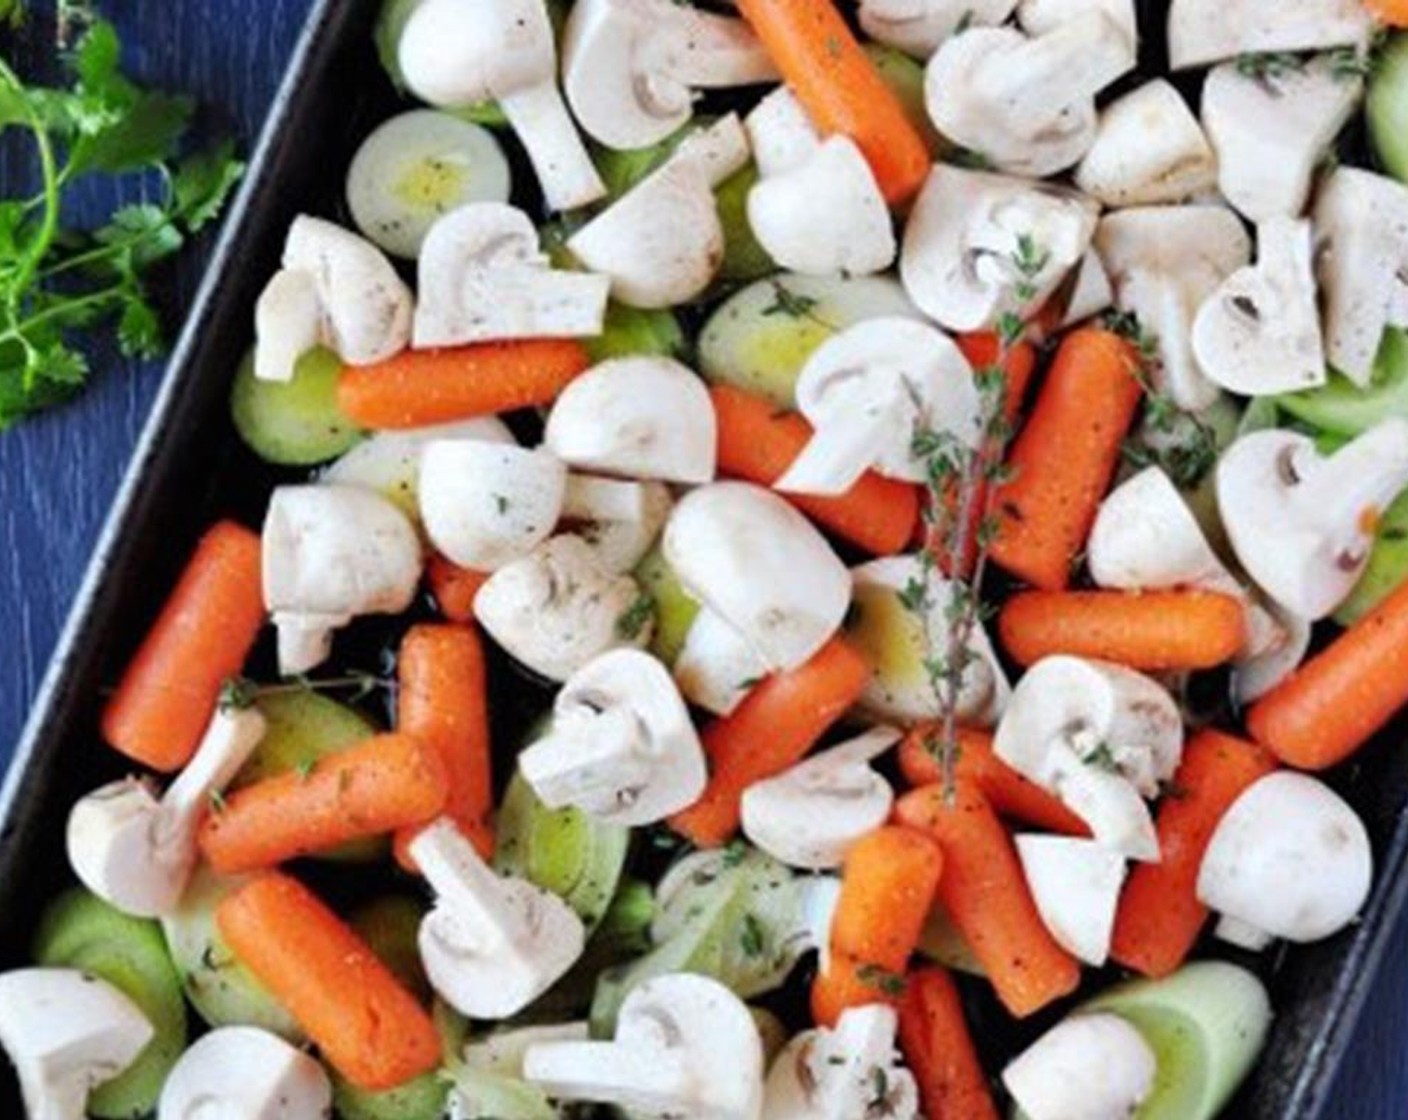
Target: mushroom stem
[1042, 78]
[468, 888]
[1242, 934]
[1351, 488]
[228, 742]
[588, 498]
[719, 151]
[540, 118]
[838, 454]
[587, 761]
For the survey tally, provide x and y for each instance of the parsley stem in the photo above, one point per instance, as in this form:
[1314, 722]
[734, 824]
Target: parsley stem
[65, 309]
[38, 248]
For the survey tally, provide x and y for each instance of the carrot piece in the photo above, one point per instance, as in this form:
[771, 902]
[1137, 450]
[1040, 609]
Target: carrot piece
[377, 786]
[840, 88]
[985, 894]
[847, 983]
[367, 1026]
[1160, 917]
[1006, 790]
[419, 387]
[1065, 457]
[453, 587]
[443, 702]
[758, 444]
[201, 638]
[939, 1049]
[1151, 630]
[1392, 12]
[775, 726]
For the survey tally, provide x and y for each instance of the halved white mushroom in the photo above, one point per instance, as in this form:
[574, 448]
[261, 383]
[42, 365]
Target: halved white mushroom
[1165, 261]
[750, 557]
[484, 278]
[1259, 333]
[642, 417]
[1088, 1067]
[630, 68]
[245, 1072]
[620, 520]
[810, 815]
[1037, 17]
[331, 553]
[1076, 886]
[662, 242]
[138, 852]
[816, 207]
[1289, 641]
[978, 245]
[1290, 859]
[1205, 31]
[621, 746]
[850, 1070]
[490, 945]
[557, 608]
[66, 1033]
[1148, 148]
[461, 52]
[1361, 233]
[1027, 103]
[717, 667]
[1302, 523]
[917, 27]
[1091, 291]
[685, 1047]
[868, 392]
[335, 289]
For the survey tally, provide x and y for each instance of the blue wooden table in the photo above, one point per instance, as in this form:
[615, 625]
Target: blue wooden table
[58, 473]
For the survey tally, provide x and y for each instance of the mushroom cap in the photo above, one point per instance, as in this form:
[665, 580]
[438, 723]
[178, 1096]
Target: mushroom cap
[1088, 1067]
[1075, 884]
[850, 1070]
[619, 543]
[1146, 537]
[460, 52]
[1204, 31]
[1289, 858]
[717, 667]
[1263, 669]
[1090, 291]
[288, 319]
[1037, 17]
[248, 1072]
[917, 27]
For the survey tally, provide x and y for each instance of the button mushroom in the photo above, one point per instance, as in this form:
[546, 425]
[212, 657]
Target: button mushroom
[1289, 859]
[1302, 523]
[454, 53]
[917, 27]
[686, 1048]
[557, 608]
[642, 417]
[1027, 103]
[845, 1073]
[332, 553]
[1164, 262]
[747, 555]
[662, 242]
[1148, 148]
[490, 945]
[810, 815]
[483, 278]
[334, 289]
[1089, 1067]
[868, 391]
[1205, 31]
[1075, 884]
[1040, 16]
[619, 520]
[1259, 333]
[630, 68]
[717, 667]
[1090, 291]
[978, 245]
[138, 852]
[247, 1073]
[66, 1033]
[621, 746]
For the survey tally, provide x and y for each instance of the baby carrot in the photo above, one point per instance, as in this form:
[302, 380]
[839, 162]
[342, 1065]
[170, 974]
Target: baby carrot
[1337, 700]
[1150, 630]
[443, 702]
[366, 1025]
[939, 1049]
[1392, 12]
[200, 640]
[1065, 456]
[758, 444]
[1160, 916]
[453, 587]
[376, 786]
[838, 85]
[775, 726]
[847, 983]
[985, 894]
[419, 387]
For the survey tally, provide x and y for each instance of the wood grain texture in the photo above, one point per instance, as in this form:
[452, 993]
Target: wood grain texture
[59, 472]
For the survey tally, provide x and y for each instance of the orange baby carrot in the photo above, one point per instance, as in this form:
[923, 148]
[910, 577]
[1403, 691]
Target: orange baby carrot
[775, 726]
[419, 387]
[847, 983]
[758, 444]
[939, 1049]
[840, 88]
[453, 587]
[443, 702]
[1065, 457]
[1149, 630]
[200, 640]
[1006, 790]
[366, 1025]
[1392, 12]
[376, 786]
[985, 894]
[1337, 700]
[1160, 917]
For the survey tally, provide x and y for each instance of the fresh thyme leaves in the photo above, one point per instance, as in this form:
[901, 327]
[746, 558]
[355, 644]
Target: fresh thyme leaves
[241, 692]
[1029, 260]
[1101, 757]
[752, 937]
[792, 304]
[236, 694]
[217, 802]
[735, 853]
[968, 158]
[884, 981]
[1269, 65]
[635, 618]
[879, 1091]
